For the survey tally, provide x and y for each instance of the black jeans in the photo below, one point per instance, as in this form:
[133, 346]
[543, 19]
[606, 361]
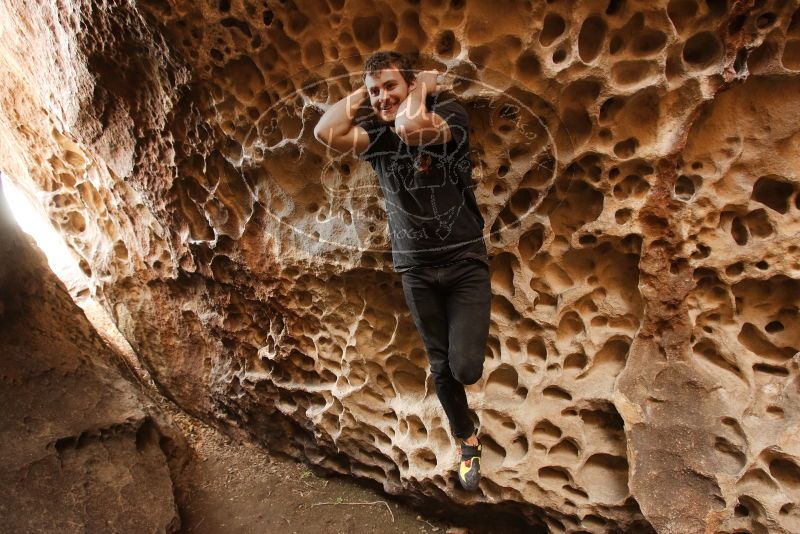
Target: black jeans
[450, 305]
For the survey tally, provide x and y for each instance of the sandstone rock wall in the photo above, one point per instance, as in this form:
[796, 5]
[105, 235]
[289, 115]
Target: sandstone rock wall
[81, 448]
[636, 164]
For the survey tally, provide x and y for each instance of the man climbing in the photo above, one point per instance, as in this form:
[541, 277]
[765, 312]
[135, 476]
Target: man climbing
[417, 140]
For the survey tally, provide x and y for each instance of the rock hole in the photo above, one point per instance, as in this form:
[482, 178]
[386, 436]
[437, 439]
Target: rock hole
[758, 223]
[740, 62]
[503, 272]
[606, 418]
[565, 450]
[775, 411]
[756, 342]
[649, 42]
[794, 25]
[786, 472]
[555, 392]
[493, 454]
[627, 73]
[530, 243]
[537, 349]
[718, 8]
[740, 510]
[733, 458]
[591, 37]
[614, 7]
[623, 215]
[518, 448]
[754, 508]
[513, 344]
[615, 45]
[367, 31]
[774, 192]
[609, 360]
[774, 370]
[739, 232]
[570, 326]
[605, 476]
[522, 201]
[765, 20]
[416, 428]
[545, 431]
[504, 310]
[242, 26]
[407, 378]
[478, 55]
[757, 477]
[627, 148]
[267, 17]
[528, 66]
[632, 186]
[791, 55]
[577, 125]
[684, 188]
[502, 382]
[552, 29]
[610, 109]
[424, 458]
[735, 269]
[554, 476]
[774, 326]
[680, 12]
[702, 50]
[709, 352]
[447, 45]
[576, 493]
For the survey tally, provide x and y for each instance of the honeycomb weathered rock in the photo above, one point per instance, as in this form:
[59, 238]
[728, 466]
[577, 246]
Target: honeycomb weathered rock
[636, 165]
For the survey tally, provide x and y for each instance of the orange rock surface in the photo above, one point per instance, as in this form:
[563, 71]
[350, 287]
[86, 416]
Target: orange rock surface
[636, 164]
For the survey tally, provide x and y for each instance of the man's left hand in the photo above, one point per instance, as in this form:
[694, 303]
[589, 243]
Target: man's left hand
[429, 78]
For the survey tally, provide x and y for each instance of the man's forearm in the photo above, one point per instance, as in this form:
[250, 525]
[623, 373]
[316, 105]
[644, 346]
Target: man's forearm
[338, 120]
[413, 111]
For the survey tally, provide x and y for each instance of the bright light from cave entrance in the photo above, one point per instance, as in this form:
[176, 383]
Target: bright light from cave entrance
[33, 221]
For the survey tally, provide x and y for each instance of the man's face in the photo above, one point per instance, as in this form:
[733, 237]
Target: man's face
[387, 89]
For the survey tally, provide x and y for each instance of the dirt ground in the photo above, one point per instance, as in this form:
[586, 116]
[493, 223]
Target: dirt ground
[234, 488]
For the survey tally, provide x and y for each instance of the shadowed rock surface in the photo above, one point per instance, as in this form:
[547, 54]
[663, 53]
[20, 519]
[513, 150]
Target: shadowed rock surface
[636, 164]
[82, 450]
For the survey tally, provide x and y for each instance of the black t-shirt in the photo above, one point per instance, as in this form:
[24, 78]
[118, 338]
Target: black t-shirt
[430, 200]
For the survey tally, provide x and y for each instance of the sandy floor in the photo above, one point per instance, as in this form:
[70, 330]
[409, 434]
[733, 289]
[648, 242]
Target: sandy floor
[235, 488]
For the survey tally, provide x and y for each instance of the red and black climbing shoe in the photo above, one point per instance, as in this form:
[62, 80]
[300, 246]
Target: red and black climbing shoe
[469, 468]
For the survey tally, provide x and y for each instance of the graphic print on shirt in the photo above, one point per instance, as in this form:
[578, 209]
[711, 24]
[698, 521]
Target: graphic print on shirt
[426, 188]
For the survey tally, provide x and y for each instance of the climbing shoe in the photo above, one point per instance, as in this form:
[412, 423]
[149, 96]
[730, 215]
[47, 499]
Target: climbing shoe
[469, 468]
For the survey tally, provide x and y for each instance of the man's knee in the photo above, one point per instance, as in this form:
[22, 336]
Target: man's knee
[468, 374]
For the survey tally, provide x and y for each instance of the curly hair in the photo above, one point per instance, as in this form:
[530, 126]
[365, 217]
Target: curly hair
[388, 59]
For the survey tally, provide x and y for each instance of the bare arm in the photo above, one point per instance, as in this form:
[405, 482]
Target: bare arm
[414, 123]
[335, 128]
